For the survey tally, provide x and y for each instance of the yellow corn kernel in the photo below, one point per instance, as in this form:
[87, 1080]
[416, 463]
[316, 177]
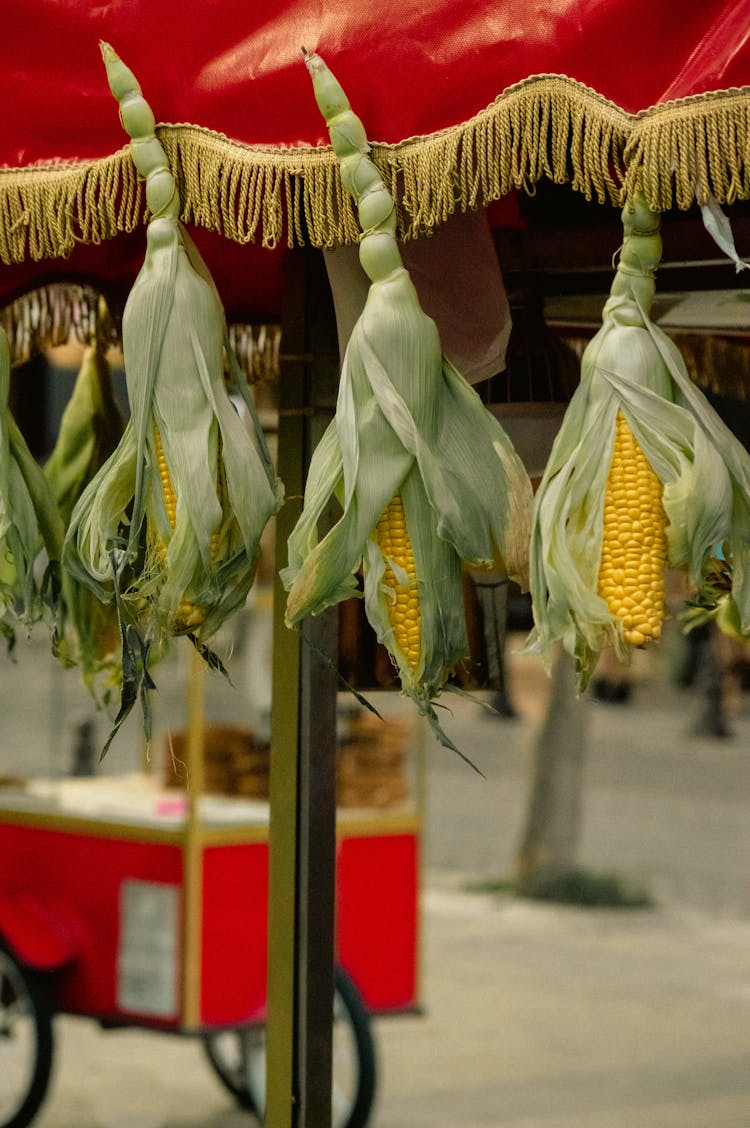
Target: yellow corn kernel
[189, 614]
[634, 540]
[170, 497]
[404, 611]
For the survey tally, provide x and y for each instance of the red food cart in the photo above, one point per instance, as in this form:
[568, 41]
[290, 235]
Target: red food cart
[137, 904]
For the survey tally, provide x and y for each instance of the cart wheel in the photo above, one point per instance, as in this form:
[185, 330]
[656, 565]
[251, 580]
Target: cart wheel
[232, 1053]
[239, 1058]
[25, 1043]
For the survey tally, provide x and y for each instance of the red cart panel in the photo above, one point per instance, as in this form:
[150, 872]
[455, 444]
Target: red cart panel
[78, 878]
[233, 935]
[377, 926]
[107, 902]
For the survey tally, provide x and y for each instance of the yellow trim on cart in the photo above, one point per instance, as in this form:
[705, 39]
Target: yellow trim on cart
[232, 835]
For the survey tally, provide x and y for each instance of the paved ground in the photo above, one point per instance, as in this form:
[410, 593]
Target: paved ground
[536, 1016]
[662, 807]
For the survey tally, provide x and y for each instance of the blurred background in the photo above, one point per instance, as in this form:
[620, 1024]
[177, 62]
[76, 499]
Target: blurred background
[583, 953]
[620, 997]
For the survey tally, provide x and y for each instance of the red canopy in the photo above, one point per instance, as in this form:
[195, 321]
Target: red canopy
[411, 69]
[464, 103]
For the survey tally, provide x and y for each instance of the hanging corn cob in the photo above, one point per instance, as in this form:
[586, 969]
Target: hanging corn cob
[29, 522]
[170, 527]
[426, 476]
[90, 429]
[643, 475]
[88, 633]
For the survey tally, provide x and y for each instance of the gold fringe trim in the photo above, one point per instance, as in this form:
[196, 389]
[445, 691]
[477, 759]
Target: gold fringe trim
[245, 192]
[50, 317]
[691, 148]
[257, 348]
[46, 209]
[62, 312]
[548, 126]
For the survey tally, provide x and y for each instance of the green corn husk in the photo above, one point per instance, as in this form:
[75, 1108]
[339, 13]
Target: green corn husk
[631, 366]
[30, 524]
[405, 422]
[90, 429]
[187, 573]
[88, 633]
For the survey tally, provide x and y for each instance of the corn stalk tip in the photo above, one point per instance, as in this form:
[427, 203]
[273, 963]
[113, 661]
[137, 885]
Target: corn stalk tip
[313, 62]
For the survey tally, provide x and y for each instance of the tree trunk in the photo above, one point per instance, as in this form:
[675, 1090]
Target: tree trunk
[711, 718]
[553, 826]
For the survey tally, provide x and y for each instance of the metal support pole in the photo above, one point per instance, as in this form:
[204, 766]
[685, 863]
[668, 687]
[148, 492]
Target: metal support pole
[192, 847]
[303, 747]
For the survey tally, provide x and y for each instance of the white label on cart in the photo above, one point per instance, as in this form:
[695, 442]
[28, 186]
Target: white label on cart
[147, 951]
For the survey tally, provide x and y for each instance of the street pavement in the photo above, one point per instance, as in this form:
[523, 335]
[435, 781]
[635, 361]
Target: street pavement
[535, 1015]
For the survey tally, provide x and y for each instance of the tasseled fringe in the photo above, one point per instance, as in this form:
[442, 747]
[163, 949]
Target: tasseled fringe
[548, 126]
[691, 149]
[64, 311]
[52, 316]
[244, 192]
[46, 209]
[257, 349]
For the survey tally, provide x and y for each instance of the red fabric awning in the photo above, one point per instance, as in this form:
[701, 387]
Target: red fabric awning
[463, 103]
[412, 69]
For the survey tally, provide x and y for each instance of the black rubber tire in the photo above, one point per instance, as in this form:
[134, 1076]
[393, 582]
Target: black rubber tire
[230, 1073]
[19, 982]
[347, 1001]
[359, 1021]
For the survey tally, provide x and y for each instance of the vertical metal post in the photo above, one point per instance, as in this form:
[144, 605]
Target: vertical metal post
[285, 725]
[192, 848]
[303, 746]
